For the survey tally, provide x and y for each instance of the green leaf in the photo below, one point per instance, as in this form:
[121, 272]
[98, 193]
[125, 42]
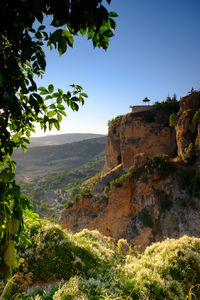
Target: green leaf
[55, 95]
[50, 125]
[113, 14]
[56, 124]
[28, 133]
[59, 106]
[51, 88]
[29, 64]
[59, 100]
[24, 147]
[52, 106]
[63, 112]
[84, 95]
[42, 88]
[44, 92]
[68, 37]
[51, 113]
[60, 91]
[7, 174]
[59, 117]
[48, 97]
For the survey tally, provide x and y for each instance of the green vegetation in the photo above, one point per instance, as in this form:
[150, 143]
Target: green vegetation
[26, 30]
[112, 123]
[172, 120]
[87, 265]
[50, 194]
[171, 104]
[118, 182]
[189, 154]
[196, 117]
[162, 164]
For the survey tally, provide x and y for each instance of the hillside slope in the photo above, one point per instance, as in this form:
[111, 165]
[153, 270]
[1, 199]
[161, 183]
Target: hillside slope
[40, 161]
[60, 139]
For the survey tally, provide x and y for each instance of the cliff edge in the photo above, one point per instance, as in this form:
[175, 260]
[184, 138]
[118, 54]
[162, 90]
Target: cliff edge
[150, 185]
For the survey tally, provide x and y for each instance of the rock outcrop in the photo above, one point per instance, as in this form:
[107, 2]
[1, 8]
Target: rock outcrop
[146, 132]
[144, 207]
[186, 131]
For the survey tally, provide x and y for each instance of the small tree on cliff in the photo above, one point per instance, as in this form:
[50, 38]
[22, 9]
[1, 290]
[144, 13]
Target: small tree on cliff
[22, 103]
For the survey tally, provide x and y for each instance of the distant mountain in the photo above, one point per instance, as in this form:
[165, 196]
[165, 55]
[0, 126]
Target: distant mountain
[44, 160]
[61, 139]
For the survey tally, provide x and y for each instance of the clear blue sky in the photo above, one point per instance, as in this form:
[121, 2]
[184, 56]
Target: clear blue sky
[155, 52]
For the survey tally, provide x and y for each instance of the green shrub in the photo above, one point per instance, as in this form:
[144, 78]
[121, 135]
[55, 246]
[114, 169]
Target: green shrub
[134, 172]
[86, 193]
[123, 246]
[172, 105]
[93, 268]
[118, 182]
[69, 203]
[189, 154]
[112, 123]
[172, 120]
[196, 117]
[107, 190]
[162, 164]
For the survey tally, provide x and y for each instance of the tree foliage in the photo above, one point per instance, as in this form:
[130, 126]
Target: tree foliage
[23, 33]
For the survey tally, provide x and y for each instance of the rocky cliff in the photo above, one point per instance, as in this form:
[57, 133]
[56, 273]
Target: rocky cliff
[142, 196]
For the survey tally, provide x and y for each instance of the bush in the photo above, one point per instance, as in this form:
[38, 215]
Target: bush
[118, 182]
[107, 191]
[134, 172]
[172, 120]
[189, 154]
[196, 117]
[172, 105]
[162, 164]
[86, 193]
[113, 122]
[95, 269]
[123, 246]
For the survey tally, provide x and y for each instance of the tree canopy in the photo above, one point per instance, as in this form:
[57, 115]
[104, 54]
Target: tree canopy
[23, 33]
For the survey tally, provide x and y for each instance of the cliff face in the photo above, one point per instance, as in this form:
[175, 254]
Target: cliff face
[145, 132]
[144, 207]
[186, 131]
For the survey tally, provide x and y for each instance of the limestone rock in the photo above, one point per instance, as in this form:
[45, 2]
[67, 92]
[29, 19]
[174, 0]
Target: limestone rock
[186, 131]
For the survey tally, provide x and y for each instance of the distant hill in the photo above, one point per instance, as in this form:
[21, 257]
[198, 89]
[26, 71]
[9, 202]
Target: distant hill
[44, 160]
[61, 139]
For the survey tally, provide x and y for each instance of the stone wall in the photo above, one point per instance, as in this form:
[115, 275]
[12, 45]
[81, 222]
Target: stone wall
[139, 108]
